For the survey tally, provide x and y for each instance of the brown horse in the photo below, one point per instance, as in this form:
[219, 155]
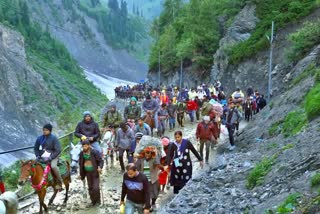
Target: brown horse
[148, 119]
[36, 171]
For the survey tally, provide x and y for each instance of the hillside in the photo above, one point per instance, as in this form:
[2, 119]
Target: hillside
[103, 38]
[40, 82]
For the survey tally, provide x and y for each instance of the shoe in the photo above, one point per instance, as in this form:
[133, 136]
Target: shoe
[153, 207]
[232, 148]
[155, 130]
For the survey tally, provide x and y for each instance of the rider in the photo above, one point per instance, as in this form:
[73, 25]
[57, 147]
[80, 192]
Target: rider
[88, 128]
[49, 144]
[132, 111]
[142, 127]
[112, 118]
[151, 106]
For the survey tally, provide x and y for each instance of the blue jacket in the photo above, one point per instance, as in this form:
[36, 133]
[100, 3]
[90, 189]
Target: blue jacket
[49, 143]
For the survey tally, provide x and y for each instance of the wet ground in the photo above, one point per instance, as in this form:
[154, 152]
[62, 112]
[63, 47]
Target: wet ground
[111, 186]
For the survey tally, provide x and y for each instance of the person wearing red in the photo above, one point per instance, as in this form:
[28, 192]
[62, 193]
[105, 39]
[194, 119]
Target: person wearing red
[207, 134]
[164, 97]
[192, 107]
[163, 176]
[2, 187]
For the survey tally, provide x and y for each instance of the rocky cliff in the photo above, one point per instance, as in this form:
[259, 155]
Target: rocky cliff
[85, 42]
[19, 121]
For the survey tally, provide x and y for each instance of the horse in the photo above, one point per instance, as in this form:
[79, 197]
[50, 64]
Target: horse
[148, 119]
[107, 145]
[39, 183]
[8, 203]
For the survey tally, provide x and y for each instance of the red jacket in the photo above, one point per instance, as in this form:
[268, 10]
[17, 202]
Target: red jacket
[204, 133]
[192, 105]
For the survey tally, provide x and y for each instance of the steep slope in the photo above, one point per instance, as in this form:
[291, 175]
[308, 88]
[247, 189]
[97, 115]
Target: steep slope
[71, 24]
[39, 84]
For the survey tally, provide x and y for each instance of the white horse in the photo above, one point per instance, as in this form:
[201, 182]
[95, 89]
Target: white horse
[8, 203]
[107, 145]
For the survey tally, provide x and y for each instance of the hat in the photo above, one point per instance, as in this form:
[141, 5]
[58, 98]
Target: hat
[206, 118]
[86, 113]
[148, 97]
[48, 126]
[139, 135]
[133, 99]
[86, 141]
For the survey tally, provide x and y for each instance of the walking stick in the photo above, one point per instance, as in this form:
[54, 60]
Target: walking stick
[101, 187]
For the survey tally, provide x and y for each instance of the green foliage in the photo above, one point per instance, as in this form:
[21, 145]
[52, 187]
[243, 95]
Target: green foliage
[275, 128]
[282, 13]
[119, 29]
[11, 176]
[257, 174]
[303, 40]
[294, 122]
[312, 102]
[288, 146]
[315, 180]
[310, 71]
[189, 31]
[289, 204]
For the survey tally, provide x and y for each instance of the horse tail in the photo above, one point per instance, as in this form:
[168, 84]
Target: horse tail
[11, 201]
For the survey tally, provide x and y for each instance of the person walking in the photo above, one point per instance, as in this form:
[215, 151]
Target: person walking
[207, 134]
[172, 111]
[133, 146]
[91, 164]
[125, 136]
[233, 117]
[143, 127]
[135, 188]
[179, 160]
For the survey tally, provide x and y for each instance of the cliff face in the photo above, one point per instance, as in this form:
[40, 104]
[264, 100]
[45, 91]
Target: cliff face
[19, 118]
[85, 42]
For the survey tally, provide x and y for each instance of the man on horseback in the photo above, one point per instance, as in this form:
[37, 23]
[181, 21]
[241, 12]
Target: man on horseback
[89, 129]
[112, 118]
[132, 112]
[143, 127]
[47, 150]
[151, 106]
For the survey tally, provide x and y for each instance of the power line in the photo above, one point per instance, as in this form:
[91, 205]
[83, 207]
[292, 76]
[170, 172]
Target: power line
[40, 20]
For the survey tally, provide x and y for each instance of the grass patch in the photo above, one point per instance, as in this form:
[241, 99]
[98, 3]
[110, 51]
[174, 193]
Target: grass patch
[315, 180]
[304, 40]
[272, 146]
[311, 70]
[294, 122]
[282, 13]
[275, 128]
[288, 146]
[289, 204]
[257, 174]
[312, 102]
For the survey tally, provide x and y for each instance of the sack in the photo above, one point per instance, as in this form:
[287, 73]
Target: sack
[148, 141]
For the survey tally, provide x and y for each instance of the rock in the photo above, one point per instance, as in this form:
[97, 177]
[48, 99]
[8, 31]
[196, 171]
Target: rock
[233, 192]
[197, 204]
[264, 195]
[59, 209]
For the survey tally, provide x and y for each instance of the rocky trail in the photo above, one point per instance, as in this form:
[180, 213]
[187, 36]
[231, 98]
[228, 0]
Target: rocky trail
[111, 185]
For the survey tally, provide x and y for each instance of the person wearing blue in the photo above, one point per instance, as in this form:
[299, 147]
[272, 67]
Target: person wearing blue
[152, 106]
[47, 150]
[142, 127]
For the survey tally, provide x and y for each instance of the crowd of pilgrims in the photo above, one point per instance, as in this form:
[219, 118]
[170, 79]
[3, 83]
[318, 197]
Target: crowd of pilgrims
[150, 172]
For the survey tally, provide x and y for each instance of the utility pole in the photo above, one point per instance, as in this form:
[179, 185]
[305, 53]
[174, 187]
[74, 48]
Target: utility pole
[159, 62]
[270, 62]
[181, 68]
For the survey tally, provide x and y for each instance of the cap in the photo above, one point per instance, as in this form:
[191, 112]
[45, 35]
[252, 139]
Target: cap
[139, 135]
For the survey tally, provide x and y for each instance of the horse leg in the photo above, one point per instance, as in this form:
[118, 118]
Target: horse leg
[53, 196]
[66, 184]
[41, 195]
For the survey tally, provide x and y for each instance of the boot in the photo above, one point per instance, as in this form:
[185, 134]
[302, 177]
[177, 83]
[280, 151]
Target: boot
[58, 178]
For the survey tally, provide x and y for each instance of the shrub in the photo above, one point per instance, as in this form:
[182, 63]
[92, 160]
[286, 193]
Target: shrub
[311, 70]
[294, 122]
[303, 40]
[289, 204]
[275, 128]
[315, 180]
[257, 174]
[312, 103]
